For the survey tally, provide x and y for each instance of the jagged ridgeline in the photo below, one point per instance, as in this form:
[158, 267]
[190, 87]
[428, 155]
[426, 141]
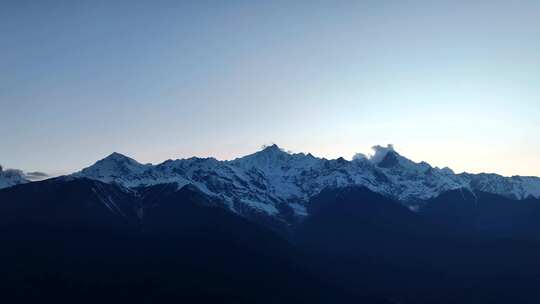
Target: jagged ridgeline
[278, 183]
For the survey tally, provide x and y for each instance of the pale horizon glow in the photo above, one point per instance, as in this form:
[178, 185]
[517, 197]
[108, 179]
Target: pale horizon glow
[329, 156]
[452, 83]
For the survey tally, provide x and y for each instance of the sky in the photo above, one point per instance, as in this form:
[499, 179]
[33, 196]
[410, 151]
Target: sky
[453, 83]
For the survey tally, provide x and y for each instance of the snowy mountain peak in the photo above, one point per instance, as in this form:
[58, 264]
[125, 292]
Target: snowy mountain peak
[381, 153]
[270, 158]
[118, 157]
[119, 162]
[272, 151]
[272, 148]
[113, 168]
[389, 160]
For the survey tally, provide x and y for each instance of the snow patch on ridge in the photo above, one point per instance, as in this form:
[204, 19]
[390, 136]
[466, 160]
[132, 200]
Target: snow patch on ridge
[262, 207]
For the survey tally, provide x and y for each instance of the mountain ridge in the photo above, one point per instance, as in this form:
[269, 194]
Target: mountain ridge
[355, 240]
[272, 179]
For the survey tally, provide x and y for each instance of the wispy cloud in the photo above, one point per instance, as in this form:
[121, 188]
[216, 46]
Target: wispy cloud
[33, 176]
[36, 175]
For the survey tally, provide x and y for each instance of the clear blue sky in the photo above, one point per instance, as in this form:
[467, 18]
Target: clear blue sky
[454, 83]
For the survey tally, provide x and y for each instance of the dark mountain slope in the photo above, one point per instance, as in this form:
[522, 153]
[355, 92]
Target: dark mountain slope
[64, 244]
[355, 219]
[485, 215]
[78, 240]
[68, 205]
[368, 242]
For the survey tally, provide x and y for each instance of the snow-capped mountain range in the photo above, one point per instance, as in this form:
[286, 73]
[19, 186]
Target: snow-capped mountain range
[272, 179]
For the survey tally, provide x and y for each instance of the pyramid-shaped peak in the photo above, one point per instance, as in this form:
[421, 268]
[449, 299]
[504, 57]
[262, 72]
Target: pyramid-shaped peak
[272, 147]
[119, 158]
[112, 166]
[266, 157]
[390, 160]
[116, 155]
[272, 150]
